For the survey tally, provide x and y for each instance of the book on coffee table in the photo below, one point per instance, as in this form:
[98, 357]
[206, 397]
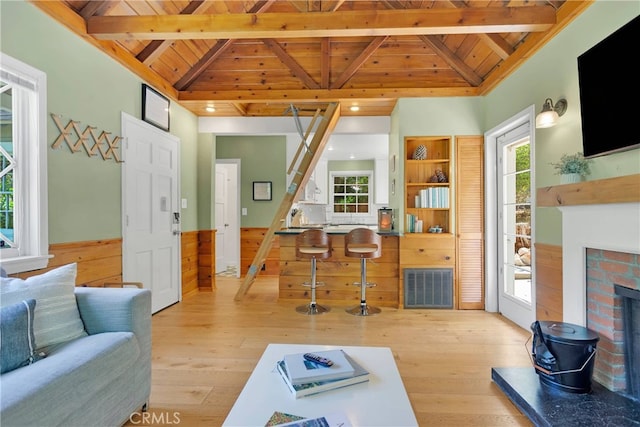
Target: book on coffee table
[302, 371]
[360, 375]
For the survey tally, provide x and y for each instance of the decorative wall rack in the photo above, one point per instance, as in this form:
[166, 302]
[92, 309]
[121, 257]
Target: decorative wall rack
[89, 139]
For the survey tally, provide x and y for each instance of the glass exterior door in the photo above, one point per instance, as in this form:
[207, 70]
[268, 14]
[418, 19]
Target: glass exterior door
[515, 229]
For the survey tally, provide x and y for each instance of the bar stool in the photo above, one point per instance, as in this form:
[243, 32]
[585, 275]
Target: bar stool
[365, 244]
[313, 244]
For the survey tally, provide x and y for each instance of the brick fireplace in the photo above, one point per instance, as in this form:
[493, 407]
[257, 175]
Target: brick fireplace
[605, 269]
[601, 248]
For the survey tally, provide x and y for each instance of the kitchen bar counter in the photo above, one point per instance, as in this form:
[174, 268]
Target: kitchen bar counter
[340, 272]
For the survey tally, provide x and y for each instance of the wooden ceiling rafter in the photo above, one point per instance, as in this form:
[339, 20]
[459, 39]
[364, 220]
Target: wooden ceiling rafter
[291, 63]
[357, 62]
[155, 48]
[92, 8]
[216, 51]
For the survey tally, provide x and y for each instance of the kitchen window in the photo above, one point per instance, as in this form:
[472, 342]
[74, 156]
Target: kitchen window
[23, 167]
[350, 192]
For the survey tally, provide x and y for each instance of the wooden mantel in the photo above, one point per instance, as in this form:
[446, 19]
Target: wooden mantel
[621, 189]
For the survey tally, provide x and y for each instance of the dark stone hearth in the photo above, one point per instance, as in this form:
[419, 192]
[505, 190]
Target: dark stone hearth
[549, 406]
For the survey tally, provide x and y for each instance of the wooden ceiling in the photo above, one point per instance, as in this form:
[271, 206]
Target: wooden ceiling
[257, 58]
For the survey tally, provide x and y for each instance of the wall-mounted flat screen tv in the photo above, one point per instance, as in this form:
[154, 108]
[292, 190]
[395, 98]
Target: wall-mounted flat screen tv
[609, 80]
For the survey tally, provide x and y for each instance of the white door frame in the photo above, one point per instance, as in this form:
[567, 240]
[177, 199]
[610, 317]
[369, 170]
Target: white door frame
[233, 210]
[126, 121]
[491, 208]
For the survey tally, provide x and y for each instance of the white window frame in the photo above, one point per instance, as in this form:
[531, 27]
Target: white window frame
[352, 215]
[30, 185]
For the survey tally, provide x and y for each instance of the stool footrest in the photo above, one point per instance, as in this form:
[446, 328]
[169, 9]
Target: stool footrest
[369, 284]
[307, 284]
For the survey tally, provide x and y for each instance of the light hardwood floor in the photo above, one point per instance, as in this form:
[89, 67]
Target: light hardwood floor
[205, 347]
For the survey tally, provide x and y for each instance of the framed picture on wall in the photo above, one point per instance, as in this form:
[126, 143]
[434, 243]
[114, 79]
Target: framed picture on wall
[261, 190]
[155, 108]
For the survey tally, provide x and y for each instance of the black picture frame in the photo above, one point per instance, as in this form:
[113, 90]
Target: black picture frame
[262, 190]
[155, 108]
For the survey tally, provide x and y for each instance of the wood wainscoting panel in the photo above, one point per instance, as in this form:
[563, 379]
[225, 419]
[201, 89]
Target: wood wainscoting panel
[548, 260]
[250, 241]
[99, 261]
[207, 260]
[189, 257]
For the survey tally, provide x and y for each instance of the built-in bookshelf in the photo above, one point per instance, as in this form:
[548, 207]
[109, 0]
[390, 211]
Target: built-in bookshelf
[428, 185]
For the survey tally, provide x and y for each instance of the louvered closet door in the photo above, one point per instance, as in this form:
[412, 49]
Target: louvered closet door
[470, 222]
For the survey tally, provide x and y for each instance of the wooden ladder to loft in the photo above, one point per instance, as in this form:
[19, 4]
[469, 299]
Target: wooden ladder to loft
[311, 153]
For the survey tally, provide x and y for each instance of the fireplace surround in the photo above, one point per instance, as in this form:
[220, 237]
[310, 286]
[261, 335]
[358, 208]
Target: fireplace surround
[602, 215]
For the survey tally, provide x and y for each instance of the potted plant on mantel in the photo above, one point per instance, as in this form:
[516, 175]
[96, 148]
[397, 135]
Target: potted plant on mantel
[572, 168]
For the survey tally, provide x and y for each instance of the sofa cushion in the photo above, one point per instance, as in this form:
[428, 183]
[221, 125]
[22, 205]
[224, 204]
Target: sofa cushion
[17, 343]
[73, 377]
[56, 317]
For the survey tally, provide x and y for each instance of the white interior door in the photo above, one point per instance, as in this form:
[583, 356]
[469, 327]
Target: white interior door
[151, 210]
[228, 207]
[515, 225]
[221, 217]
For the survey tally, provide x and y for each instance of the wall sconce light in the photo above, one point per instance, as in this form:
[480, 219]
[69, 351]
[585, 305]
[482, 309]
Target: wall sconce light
[550, 113]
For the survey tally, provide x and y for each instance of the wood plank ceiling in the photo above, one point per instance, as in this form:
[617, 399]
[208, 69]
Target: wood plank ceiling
[256, 58]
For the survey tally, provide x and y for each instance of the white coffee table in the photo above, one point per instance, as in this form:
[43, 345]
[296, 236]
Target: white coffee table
[382, 401]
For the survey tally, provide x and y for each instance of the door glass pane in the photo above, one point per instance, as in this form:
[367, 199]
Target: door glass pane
[516, 221]
[7, 164]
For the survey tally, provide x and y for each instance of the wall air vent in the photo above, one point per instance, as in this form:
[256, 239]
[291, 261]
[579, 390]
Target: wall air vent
[428, 288]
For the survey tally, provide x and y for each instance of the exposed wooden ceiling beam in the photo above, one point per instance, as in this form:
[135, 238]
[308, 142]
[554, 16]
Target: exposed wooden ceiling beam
[318, 95]
[324, 24]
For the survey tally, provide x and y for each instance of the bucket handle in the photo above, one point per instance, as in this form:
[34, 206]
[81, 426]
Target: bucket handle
[548, 372]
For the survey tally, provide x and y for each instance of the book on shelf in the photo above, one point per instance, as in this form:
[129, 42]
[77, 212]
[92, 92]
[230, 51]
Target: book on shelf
[360, 375]
[303, 371]
[432, 197]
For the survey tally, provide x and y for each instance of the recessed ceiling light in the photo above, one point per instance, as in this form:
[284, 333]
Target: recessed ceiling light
[351, 156]
[210, 109]
[355, 108]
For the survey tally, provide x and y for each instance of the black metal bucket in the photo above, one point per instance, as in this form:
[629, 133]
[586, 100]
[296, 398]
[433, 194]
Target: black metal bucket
[563, 355]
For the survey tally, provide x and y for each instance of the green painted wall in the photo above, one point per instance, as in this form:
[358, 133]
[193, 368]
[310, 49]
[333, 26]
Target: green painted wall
[206, 183]
[88, 86]
[553, 73]
[262, 158]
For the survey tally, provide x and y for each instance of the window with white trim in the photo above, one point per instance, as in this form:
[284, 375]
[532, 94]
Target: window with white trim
[350, 192]
[23, 167]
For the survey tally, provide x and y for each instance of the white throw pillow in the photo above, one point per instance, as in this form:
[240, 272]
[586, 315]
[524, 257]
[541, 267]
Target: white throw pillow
[56, 316]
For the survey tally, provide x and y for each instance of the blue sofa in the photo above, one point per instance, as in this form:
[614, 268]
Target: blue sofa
[96, 380]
